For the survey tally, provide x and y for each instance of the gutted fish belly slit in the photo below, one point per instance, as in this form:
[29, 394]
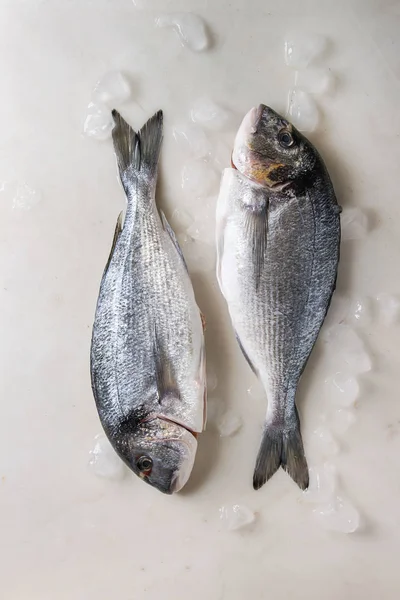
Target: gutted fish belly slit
[278, 238]
[148, 383]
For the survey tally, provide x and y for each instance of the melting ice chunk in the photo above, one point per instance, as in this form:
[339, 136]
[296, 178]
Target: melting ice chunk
[229, 424]
[322, 484]
[112, 89]
[302, 110]
[24, 196]
[199, 256]
[354, 224]
[181, 220]
[199, 178]
[191, 29]
[350, 347]
[315, 80]
[389, 308]
[207, 113]
[340, 420]
[346, 388]
[361, 310]
[104, 460]
[325, 441]
[99, 122]
[191, 137]
[301, 49]
[339, 515]
[236, 516]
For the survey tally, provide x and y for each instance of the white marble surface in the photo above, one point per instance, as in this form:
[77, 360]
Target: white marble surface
[68, 535]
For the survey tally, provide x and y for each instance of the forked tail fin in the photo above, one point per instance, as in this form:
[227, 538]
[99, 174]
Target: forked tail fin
[137, 152]
[281, 446]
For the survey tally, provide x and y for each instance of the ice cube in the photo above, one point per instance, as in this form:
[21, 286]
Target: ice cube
[236, 516]
[324, 441]
[104, 461]
[347, 344]
[181, 220]
[24, 196]
[339, 515]
[99, 122]
[340, 420]
[322, 484]
[346, 388]
[315, 80]
[302, 110]
[389, 308]
[354, 224]
[190, 27]
[207, 113]
[203, 226]
[229, 424]
[199, 178]
[111, 90]
[199, 256]
[361, 311]
[301, 49]
[191, 138]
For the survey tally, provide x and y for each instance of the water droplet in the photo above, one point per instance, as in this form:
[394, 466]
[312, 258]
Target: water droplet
[99, 122]
[190, 28]
[302, 110]
[301, 49]
[104, 461]
[111, 90]
[339, 515]
[361, 310]
[236, 516]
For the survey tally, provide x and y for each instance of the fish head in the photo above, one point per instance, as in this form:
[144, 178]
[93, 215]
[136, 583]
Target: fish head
[270, 151]
[160, 452]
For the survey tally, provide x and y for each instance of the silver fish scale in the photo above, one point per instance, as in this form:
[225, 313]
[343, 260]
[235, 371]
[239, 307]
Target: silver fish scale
[144, 294]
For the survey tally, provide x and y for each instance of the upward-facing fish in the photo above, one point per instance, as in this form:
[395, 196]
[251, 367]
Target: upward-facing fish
[147, 356]
[278, 235]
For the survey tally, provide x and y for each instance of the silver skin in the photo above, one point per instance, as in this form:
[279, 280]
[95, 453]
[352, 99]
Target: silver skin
[147, 356]
[278, 236]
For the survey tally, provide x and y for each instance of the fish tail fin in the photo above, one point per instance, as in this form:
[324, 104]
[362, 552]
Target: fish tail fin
[137, 152]
[282, 446]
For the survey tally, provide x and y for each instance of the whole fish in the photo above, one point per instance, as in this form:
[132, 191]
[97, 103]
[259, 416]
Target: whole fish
[278, 237]
[147, 355]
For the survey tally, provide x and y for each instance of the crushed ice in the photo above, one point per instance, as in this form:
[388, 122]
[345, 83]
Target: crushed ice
[348, 345]
[236, 516]
[229, 424]
[104, 461]
[112, 89]
[354, 223]
[207, 113]
[199, 178]
[389, 308]
[24, 197]
[315, 80]
[324, 441]
[191, 138]
[340, 420]
[345, 388]
[98, 122]
[338, 515]
[302, 49]
[302, 110]
[322, 484]
[190, 27]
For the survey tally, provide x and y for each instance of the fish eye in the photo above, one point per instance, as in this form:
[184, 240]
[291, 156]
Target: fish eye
[285, 138]
[144, 464]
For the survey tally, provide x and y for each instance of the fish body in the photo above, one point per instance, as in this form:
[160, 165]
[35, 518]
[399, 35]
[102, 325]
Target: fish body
[147, 354]
[278, 237]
